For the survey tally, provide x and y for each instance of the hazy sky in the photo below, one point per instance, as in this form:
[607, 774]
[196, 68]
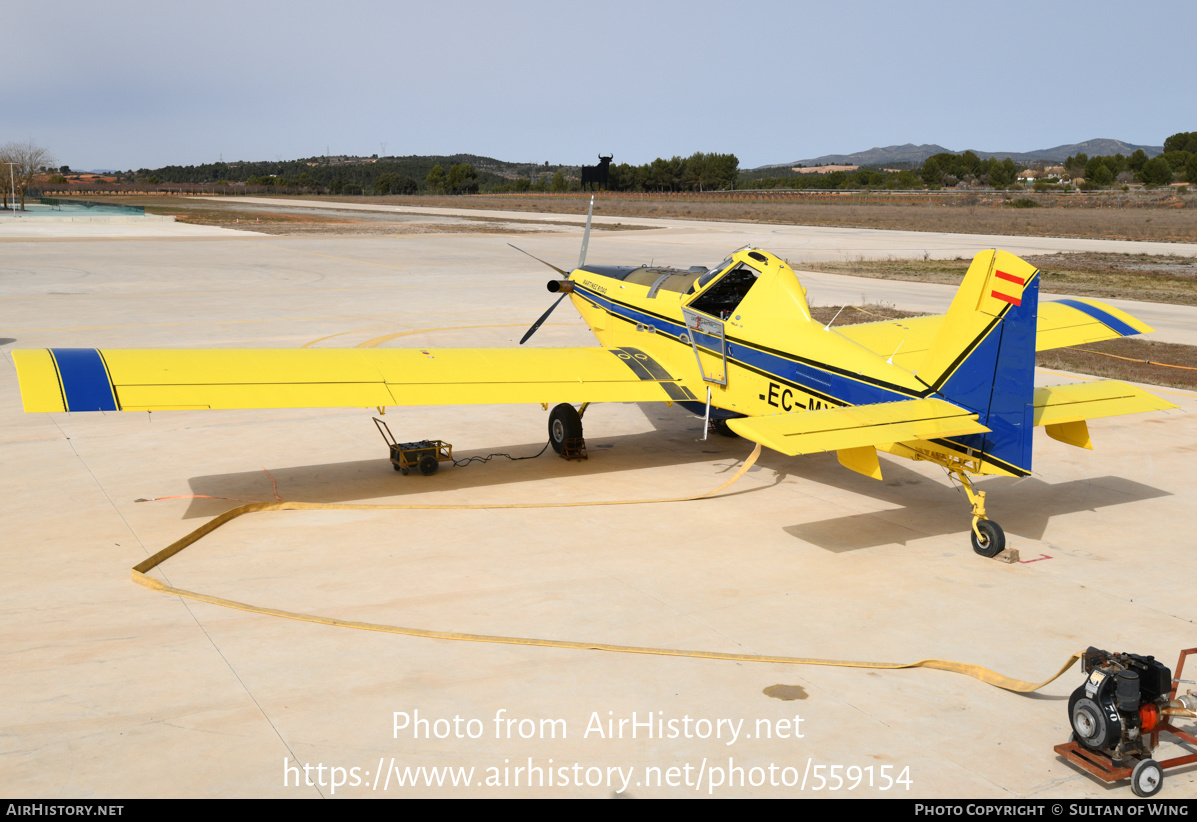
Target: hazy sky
[124, 84]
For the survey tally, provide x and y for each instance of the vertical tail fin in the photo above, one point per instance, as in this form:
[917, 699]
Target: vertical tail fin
[984, 358]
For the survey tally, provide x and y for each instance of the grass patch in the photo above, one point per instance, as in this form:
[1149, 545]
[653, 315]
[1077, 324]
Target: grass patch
[1163, 217]
[1160, 216]
[249, 220]
[1128, 359]
[232, 212]
[854, 314]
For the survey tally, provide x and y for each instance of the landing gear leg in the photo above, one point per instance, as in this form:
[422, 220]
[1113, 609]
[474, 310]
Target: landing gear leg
[987, 536]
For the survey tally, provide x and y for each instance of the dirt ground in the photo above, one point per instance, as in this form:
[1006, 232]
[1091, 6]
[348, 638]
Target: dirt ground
[1130, 358]
[1165, 216]
[1152, 278]
[1161, 216]
[283, 220]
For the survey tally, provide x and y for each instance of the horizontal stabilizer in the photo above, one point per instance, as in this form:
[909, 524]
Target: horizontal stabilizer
[857, 426]
[1060, 323]
[1060, 404]
[1077, 322]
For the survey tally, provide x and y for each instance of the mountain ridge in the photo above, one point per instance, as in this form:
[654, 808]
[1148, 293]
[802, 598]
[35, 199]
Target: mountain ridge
[910, 153]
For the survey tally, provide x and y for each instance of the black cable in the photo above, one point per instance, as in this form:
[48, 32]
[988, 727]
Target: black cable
[468, 460]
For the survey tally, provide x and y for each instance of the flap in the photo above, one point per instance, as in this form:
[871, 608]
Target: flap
[857, 426]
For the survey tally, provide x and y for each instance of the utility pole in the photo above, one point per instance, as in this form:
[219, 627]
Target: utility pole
[13, 178]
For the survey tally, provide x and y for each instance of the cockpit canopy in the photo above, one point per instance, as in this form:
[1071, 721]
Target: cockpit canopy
[722, 298]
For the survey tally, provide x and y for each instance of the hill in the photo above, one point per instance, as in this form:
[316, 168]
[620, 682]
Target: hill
[910, 153]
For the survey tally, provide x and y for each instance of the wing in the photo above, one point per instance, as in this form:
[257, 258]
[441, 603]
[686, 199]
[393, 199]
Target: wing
[89, 379]
[1060, 323]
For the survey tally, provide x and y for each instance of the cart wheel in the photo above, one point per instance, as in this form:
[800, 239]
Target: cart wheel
[995, 538]
[428, 465]
[404, 470]
[564, 424]
[396, 467]
[1147, 778]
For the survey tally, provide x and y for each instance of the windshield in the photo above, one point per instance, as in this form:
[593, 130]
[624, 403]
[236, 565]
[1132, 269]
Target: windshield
[706, 278]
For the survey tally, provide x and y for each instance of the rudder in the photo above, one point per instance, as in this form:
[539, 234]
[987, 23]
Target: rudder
[984, 359]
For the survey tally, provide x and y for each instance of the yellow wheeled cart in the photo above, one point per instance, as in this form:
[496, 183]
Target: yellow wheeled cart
[426, 455]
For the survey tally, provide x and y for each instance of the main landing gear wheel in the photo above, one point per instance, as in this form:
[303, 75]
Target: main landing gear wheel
[721, 428]
[1147, 778]
[993, 540]
[564, 424]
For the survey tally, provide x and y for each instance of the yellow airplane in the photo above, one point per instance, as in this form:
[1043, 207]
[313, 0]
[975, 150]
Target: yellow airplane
[734, 343]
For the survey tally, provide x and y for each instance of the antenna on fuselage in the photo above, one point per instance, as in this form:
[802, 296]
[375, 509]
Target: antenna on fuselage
[586, 235]
[836, 317]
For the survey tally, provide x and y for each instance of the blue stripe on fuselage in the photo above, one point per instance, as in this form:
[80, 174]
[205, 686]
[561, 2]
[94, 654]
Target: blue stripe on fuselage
[84, 379]
[824, 384]
[1101, 316]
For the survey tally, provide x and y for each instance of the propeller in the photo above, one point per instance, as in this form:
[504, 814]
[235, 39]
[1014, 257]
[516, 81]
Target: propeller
[565, 286]
[540, 322]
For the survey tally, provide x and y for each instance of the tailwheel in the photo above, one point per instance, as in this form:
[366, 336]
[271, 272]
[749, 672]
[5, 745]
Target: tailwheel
[988, 538]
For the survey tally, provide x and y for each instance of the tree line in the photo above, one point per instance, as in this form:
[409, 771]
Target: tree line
[470, 174]
[1178, 163]
[457, 174]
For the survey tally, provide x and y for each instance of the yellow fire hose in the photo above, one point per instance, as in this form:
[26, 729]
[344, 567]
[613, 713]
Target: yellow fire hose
[139, 573]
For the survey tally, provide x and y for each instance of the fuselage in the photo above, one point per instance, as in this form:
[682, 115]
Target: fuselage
[741, 330]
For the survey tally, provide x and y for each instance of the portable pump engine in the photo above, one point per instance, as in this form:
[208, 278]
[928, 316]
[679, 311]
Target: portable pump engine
[1123, 700]
[1119, 714]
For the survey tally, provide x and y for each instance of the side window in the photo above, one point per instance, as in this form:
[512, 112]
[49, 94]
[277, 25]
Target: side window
[722, 298]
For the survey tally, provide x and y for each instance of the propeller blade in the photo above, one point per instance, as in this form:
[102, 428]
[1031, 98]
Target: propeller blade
[539, 322]
[564, 274]
[586, 236]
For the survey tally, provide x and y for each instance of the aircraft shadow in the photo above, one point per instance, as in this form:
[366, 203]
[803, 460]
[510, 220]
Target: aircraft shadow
[923, 506]
[675, 440]
[928, 507]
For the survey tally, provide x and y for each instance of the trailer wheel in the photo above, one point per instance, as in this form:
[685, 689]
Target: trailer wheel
[1147, 778]
[428, 465]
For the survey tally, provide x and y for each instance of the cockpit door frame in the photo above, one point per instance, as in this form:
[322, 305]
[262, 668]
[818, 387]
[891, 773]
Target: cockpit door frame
[697, 323]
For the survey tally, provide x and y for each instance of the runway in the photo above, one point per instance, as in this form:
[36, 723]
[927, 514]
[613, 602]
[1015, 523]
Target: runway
[115, 691]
